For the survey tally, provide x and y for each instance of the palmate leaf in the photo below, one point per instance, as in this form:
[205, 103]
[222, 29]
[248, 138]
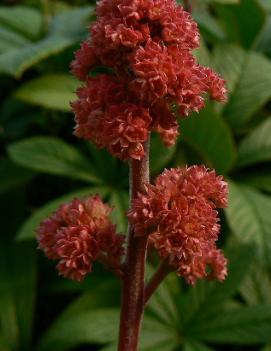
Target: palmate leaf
[14, 62]
[256, 147]
[94, 326]
[225, 1]
[71, 23]
[193, 345]
[248, 215]
[54, 91]
[240, 27]
[65, 29]
[265, 4]
[3, 343]
[202, 54]
[205, 299]
[208, 133]
[53, 156]
[96, 299]
[209, 25]
[10, 40]
[100, 326]
[229, 60]
[246, 325]
[157, 336]
[22, 20]
[263, 42]
[256, 287]
[17, 293]
[258, 178]
[27, 231]
[80, 317]
[162, 303]
[248, 76]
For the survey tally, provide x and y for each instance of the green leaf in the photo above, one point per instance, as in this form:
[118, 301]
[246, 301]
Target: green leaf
[193, 345]
[27, 231]
[247, 325]
[119, 200]
[94, 322]
[96, 299]
[235, 21]
[263, 43]
[210, 136]
[71, 23]
[265, 4]
[157, 336]
[202, 54]
[16, 61]
[10, 40]
[65, 30]
[98, 326]
[53, 156]
[251, 92]
[206, 298]
[229, 61]
[12, 175]
[248, 215]
[256, 287]
[3, 343]
[17, 293]
[208, 24]
[256, 147]
[162, 303]
[225, 1]
[260, 179]
[23, 20]
[160, 155]
[54, 91]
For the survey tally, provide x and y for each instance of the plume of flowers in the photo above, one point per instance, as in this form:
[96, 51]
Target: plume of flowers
[179, 213]
[146, 46]
[77, 234]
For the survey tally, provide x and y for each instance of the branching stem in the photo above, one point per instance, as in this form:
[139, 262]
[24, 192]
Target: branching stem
[133, 301]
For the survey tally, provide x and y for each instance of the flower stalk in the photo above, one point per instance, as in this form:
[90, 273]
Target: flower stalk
[133, 300]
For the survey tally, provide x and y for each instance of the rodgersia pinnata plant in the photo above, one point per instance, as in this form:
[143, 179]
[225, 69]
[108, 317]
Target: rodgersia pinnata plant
[150, 81]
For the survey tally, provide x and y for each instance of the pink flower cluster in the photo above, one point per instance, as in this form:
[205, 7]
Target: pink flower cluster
[147, 47]
[179, 213]
[77, 233]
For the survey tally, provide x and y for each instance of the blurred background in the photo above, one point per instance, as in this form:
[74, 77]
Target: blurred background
[42, 164]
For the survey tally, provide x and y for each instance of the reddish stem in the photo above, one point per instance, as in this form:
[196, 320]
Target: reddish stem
[132, 305]
[163, 270]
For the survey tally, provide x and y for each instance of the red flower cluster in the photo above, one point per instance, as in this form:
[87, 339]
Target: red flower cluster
[77, 233]
[179, 214]
[147, 46]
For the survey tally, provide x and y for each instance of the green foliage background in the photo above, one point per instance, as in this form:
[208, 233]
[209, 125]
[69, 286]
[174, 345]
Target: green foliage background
[42, 164]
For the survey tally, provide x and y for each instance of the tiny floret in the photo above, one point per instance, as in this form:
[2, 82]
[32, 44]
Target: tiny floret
[179, 213]
[77, 233]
